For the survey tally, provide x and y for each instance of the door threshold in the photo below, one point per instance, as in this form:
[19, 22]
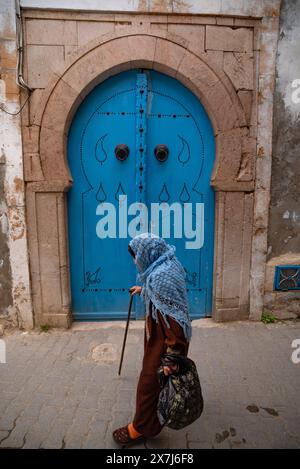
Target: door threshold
[94, 325]
[134, 324]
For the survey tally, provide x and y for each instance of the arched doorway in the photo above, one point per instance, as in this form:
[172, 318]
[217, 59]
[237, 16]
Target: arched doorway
[144, 135]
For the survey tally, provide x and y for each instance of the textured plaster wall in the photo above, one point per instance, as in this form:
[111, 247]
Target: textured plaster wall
[284, 228]
[15, 298]
[253, 8]
[284, 213]
[7, 44]
[5, 271]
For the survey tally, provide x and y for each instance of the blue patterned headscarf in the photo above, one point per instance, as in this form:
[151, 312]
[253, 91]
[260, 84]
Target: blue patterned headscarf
[163, 279]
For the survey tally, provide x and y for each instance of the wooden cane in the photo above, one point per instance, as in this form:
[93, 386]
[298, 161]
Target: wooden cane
[125, 335]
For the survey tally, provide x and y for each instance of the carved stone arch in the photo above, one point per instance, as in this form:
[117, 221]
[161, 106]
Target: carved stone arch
[50, 176]
[167, 53]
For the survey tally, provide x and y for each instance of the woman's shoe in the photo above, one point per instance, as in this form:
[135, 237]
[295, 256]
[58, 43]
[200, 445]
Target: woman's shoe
[122, 437]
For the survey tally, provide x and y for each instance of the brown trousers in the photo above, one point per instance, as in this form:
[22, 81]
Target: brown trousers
[158, 339]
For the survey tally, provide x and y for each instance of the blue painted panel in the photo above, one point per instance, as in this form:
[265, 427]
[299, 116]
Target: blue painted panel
[101, 269]
[178, 120]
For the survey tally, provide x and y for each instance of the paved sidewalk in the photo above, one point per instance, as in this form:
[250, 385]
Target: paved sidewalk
[60, 389]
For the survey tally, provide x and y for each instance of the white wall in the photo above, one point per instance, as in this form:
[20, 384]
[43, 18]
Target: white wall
[11, 157]
[241, 7]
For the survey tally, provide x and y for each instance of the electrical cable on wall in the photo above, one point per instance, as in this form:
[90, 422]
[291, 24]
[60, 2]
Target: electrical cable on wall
[19, 79]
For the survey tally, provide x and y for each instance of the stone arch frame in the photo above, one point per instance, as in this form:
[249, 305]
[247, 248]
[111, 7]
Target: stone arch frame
[51, 178]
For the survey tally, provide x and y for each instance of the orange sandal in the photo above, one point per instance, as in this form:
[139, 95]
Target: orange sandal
[122, 437]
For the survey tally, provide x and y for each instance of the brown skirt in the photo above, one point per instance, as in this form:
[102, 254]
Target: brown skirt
[158, 339]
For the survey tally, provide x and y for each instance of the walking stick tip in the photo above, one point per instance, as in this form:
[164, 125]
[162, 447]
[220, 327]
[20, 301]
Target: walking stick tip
[125, 335]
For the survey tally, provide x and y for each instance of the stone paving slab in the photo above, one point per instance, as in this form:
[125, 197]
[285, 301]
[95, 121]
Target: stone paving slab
[60, 389]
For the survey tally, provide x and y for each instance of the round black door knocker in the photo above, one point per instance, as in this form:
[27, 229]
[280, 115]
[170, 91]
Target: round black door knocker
[161, 152]
[122, 151]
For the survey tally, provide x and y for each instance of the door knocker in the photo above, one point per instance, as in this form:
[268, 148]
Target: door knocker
[161, 152]
[122, 152]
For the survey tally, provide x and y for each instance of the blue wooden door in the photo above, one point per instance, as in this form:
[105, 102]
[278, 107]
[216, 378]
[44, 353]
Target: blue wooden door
[144, 135]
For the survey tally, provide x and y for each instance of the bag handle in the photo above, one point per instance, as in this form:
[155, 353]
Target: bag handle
[174, 358]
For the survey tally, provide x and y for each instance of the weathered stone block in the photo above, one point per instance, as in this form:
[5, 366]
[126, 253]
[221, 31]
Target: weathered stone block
[213, 94]
[228, 39]
[155, 27]
[34, 104]
[194, 34]
[41, 61]
[52, 143]
[32, 167]
[30, 138]
[214, 58]
[169, 55]
[229, 145]
[94, 63]
[70, 53]
[246, 169]
[51, 32]
[141, 47]
[268, 48]
[239, 68]
[60, 104]
[246, 98]
[88, 30]
[233, 238]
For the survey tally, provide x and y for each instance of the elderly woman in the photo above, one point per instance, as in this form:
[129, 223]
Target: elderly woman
[167, 328]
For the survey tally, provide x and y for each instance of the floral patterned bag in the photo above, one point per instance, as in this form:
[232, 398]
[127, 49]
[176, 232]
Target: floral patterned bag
[180, 401]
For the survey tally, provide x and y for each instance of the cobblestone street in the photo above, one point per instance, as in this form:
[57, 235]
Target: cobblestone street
[60, 389]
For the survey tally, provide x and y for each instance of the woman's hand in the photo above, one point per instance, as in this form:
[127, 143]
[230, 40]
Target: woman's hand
[135, 290]
[170, 369]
